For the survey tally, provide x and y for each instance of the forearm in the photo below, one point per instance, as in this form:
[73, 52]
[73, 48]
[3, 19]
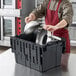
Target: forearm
[61, 24]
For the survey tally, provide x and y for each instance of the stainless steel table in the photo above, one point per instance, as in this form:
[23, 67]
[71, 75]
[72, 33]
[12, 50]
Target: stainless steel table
[8, 67]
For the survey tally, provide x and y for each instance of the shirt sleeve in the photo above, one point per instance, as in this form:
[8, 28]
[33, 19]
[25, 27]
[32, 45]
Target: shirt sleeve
[67, 13]
[40, 10]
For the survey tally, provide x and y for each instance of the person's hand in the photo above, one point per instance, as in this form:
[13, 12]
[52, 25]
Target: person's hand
[50, 28]
[31, 17]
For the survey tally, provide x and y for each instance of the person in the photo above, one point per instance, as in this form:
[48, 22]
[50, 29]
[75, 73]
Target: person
[58, 16]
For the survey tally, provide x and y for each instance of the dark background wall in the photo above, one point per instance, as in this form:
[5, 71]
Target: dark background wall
[27, 7]
[0, 28]
[0, 22]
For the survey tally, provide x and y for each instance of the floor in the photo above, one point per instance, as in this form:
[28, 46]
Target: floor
[2, 49]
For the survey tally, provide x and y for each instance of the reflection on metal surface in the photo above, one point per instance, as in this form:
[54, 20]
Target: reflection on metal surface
[7, 27]
[8, 67]
[12, 12]
[7, 2]
[25, 71]
[60, 71]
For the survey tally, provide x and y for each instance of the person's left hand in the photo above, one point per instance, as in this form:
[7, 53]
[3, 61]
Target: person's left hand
[50, 28]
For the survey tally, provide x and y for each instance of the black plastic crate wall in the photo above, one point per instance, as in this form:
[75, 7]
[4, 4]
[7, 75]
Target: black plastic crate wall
[22, 53]
[38, 57]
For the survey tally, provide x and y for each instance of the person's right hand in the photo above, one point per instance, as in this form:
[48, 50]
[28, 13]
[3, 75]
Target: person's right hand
[31, 17]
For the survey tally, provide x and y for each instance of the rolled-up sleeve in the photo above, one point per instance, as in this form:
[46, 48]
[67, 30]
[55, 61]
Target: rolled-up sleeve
[41, 9]
[67, 12]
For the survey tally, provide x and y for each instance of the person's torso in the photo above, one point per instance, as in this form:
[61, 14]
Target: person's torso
[54, 4]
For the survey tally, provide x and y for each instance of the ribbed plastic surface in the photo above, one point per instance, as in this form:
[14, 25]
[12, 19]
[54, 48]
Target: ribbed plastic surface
[38, 57]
